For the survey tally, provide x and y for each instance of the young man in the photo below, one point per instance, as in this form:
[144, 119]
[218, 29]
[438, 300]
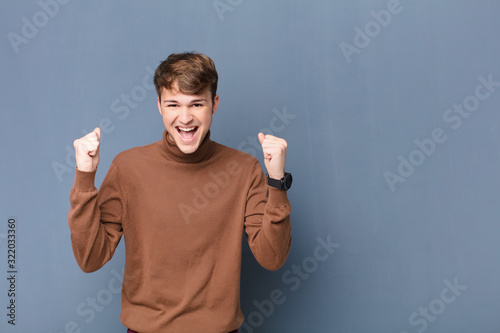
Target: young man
[182, 205]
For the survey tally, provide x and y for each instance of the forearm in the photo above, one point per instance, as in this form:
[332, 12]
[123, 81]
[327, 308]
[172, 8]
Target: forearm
[269, 236]
[92, 240]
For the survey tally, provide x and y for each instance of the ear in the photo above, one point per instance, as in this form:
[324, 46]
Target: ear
[159, 106]
[216, 104]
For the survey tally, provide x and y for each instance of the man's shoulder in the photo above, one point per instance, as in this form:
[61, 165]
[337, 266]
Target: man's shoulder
[228, 152]
[240, 162]
[137, 153]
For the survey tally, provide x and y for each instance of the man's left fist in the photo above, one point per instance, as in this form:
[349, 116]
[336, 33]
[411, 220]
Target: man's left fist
[274, 150]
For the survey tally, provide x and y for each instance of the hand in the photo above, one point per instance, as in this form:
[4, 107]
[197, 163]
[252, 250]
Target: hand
[87, 151]
[274, 150]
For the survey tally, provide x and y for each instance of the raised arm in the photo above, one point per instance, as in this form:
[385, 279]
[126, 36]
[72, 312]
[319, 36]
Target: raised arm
[94, 217]
[267, 219]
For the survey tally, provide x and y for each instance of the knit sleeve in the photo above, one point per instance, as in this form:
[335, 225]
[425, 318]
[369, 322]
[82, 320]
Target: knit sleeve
[267, 221]
[95, 218]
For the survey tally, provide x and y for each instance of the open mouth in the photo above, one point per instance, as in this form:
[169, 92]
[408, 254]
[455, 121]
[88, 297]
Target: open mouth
[187, 133]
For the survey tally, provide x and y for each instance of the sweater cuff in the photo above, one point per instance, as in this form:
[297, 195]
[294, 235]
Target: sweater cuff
[277, 197]
[84, 181]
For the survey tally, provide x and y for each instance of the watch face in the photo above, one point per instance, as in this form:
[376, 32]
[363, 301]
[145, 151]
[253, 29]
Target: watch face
[287, 182]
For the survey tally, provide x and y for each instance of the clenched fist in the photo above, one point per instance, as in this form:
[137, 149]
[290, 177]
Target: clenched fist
[87, 151]
[274, 150]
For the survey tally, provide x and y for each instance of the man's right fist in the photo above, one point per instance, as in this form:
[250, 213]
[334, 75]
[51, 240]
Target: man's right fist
[87, 151]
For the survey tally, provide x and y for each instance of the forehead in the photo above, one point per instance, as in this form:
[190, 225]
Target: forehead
[175, 94]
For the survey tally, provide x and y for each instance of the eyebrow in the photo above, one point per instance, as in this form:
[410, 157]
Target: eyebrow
[192, 101]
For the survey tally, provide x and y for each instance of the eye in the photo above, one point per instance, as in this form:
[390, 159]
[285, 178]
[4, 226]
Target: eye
[197, 105]
[172, 105]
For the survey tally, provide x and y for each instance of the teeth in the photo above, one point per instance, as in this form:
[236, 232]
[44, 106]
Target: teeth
[186, 129]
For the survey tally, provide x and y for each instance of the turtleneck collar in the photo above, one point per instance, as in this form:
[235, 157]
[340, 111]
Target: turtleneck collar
[204, 151]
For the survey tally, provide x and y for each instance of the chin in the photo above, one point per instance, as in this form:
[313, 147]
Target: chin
[188, 149]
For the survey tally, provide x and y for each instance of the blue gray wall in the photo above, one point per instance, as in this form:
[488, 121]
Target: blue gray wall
[391, 110]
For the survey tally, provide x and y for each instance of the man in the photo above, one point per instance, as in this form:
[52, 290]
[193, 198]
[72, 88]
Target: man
[182, 205]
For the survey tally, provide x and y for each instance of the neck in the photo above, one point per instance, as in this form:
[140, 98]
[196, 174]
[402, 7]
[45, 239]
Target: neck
[204, 151]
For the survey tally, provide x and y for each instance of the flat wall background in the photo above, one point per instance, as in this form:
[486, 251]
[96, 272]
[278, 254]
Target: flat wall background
[391, 110]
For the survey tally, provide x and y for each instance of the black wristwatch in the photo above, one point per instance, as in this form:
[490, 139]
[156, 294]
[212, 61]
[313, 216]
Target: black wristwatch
[282, 184]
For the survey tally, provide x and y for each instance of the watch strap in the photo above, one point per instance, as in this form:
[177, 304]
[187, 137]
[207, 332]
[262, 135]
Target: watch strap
[280, 183]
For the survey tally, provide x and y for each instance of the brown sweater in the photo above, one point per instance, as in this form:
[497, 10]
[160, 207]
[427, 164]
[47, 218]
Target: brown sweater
[182, 217]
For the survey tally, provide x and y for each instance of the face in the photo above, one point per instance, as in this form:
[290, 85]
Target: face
[187, 118]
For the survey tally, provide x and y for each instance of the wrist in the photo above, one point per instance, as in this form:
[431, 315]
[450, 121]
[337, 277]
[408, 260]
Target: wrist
[283, 183]
[276, 175]
[84, 180]
[86, 168]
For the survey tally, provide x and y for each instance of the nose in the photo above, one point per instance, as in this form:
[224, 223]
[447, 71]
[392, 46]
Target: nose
[185, 115]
